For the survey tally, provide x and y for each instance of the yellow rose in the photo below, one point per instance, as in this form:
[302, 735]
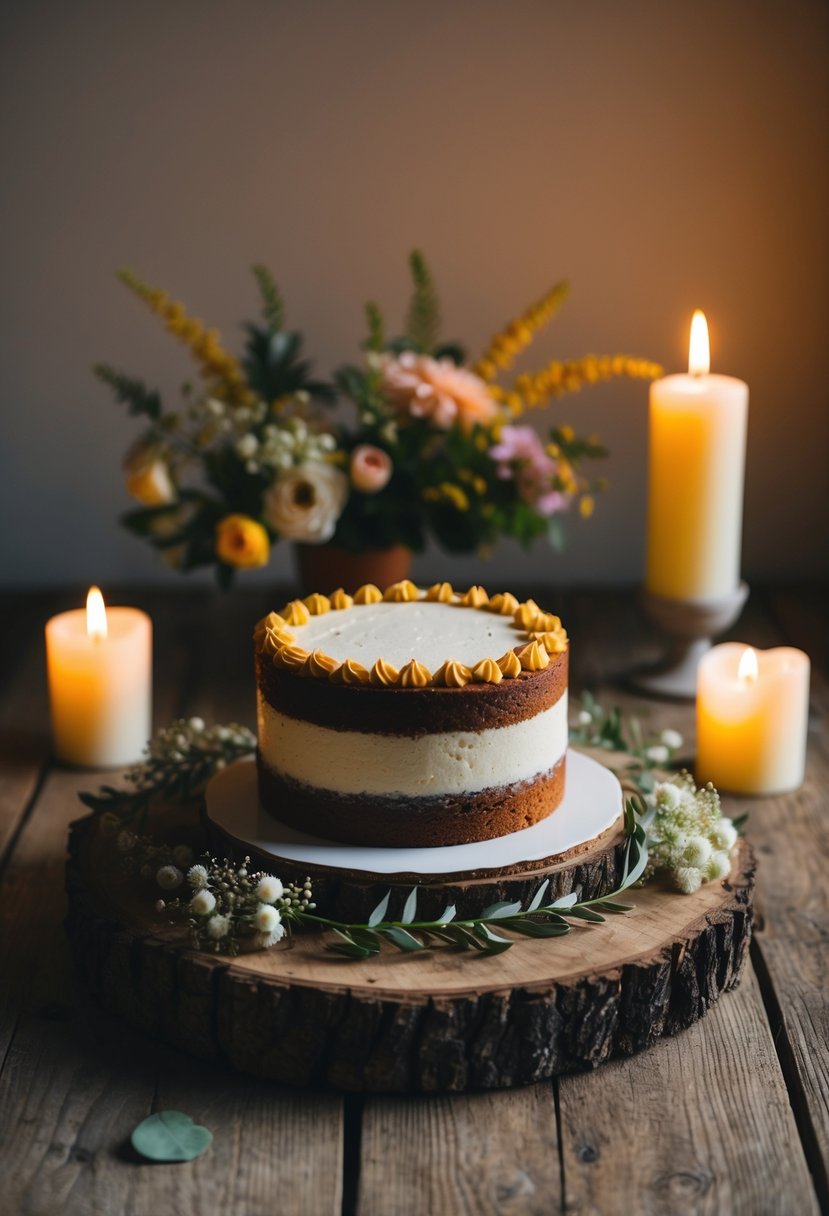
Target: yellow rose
[242, 542]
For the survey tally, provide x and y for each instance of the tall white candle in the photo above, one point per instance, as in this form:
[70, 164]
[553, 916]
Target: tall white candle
[752, 716]
[695, 496]
[99, 664]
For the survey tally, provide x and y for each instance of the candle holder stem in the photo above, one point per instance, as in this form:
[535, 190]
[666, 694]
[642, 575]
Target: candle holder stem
[688, 626]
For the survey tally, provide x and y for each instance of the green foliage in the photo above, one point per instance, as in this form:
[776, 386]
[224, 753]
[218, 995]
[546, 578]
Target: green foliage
[376, 340]
[423, 320]
[274, 367]
[273, 308]
[130, 391]
[169, 1135]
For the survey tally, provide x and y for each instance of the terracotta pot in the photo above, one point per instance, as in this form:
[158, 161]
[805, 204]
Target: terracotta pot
[326, 567]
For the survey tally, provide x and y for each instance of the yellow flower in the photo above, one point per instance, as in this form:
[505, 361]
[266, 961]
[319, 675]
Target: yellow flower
[509, 343]
[242, 542]
[586, 506]
[569, 376]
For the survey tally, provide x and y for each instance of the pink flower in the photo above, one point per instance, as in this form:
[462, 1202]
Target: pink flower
[371, 468]
[422, 387]
[521, 455]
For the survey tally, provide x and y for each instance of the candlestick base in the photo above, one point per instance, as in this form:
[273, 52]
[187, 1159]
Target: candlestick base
[689, 626]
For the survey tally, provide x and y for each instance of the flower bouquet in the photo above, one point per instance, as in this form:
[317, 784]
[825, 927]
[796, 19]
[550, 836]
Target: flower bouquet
[263, 451]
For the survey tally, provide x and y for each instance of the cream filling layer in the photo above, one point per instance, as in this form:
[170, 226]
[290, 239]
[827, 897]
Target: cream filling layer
[451, 762]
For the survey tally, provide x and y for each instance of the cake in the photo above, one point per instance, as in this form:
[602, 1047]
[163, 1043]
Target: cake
[411, 717]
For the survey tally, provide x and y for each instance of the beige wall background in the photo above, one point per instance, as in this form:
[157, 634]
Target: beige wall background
[664, 156]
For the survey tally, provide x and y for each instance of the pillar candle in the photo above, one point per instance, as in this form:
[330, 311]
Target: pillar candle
[752, 714]
[695, 497]
[99, 664]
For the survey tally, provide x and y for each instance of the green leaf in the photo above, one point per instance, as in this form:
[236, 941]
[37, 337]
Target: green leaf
[538, 928]
[614, 905]
[423, 322]
[595, 918]
[380, 911]
[501, 909]
[493, 942]
[367, 938]
[403, 939]
[170, 1135]
[410, 907]
[376, 331]
[446, 915]
[130, 391]
[566, 901]
[273, 308]
[555, 534]
[539, 895]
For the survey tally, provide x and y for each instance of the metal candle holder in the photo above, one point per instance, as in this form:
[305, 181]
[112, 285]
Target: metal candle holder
[689, 626]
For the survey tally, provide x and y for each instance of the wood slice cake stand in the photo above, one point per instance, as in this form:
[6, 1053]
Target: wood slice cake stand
[427, 1022]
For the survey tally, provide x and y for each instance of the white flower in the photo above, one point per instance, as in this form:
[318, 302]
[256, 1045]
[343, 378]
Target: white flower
[169, 877]
[218, 927]
[657, 754]
[267, 918]
[671, 739]
[196, 725]
[197, 877]
[247, 445]
[160, 905]
[724, 835]
[269, 889]
[667, 796]
[182, 856]
[124, 842]
[719, 866]
[203, 903]
[697, 851]
[270, 939]
[305, 503]
[215, 407]
[585, 717]
[688, 879]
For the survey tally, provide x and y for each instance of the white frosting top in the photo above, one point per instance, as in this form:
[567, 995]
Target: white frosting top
[425, 630]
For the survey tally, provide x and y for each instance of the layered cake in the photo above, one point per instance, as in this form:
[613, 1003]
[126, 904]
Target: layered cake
[411, 717]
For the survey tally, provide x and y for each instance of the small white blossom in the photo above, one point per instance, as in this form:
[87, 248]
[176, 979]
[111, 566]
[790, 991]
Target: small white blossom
[169, 877]
[182, 856]
[269, 889]
[697, 851]
[218, 927]
[203, 903]
[657, 754]
[247, 446]
[688, 879]
[671, 739]
[667, 796]
[196, 724]
[215, 407]
[124, 842]
[160, 905]
[197, 877]
[724, 835]
[267, 918]
[585, 717]
[270, 939]
[719, 866]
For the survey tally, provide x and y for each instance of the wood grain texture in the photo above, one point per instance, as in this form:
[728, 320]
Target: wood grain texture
[664, 1126]
[477, 1155]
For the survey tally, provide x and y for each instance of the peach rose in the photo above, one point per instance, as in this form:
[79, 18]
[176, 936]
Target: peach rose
[371, 468]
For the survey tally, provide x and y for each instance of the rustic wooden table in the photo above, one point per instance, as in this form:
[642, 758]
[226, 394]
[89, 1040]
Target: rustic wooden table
[730, 1117]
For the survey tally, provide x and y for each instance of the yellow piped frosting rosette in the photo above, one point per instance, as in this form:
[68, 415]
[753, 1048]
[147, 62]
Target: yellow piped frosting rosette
[539, 635]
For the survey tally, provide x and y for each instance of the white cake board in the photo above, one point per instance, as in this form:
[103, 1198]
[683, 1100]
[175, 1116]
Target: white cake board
[592, 804]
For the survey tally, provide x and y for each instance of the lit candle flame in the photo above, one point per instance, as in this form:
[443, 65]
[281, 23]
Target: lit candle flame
[748, 669]
[699, 353]
[96, 614]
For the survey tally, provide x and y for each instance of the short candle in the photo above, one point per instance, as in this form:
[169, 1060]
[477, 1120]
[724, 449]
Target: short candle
[99, 664]
[752, 716]
[697, 439]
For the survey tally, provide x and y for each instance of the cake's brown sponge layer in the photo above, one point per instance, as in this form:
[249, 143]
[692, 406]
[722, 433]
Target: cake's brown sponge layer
[412, 822]
[411, 711]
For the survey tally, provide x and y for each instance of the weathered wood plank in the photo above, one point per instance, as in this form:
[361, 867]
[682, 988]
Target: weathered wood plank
[472, 1156]
[700, 1124]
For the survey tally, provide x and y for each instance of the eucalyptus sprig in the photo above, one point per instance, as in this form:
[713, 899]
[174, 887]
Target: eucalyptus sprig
[538, 919]
[179, 760]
